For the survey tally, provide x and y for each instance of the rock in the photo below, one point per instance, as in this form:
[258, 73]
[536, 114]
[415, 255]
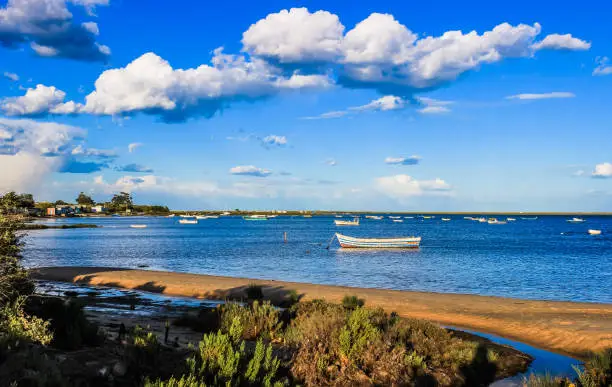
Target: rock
[119, 369]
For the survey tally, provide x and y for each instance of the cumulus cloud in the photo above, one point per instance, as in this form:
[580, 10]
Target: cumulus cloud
[603, 170]
[48, 27]
[412, 160]
[274, 140]
[603, 66]
[135, 168]
[296, 36]
[331, 162]
[39, 101]
[30, 150]
[250, 170]
[561, 42]
[80, 150]
[531, 96]
[133, 146]
[403, 186]
[11, 76]
[297, 49]
[433, 106]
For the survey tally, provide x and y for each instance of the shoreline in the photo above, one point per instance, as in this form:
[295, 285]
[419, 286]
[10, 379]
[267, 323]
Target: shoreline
[570, 328]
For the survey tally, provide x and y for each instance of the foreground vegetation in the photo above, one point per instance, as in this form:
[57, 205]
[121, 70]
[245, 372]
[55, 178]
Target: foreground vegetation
[47, 341]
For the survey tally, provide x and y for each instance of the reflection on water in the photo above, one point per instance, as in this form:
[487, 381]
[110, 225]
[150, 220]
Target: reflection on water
[523, 259]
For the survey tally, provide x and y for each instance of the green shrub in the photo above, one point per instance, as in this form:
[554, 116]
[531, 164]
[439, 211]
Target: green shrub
[184, 381]
[251, 322]
[254, 292]
[142, 353]
[597, 370]
[18, 328]
[546, 381]
[352, 302]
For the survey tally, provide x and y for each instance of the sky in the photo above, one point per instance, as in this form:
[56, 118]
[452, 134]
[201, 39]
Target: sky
[380, 106]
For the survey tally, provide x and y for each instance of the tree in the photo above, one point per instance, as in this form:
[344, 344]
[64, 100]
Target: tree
[26, 200]
[9, 202]
[122, 200]
[60, 203]
[85, 200]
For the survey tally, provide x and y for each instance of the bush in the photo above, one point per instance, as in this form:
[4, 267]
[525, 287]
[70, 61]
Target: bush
[14, 279]
[17, 328]
[352, 302]
[142, 353]
[254, 292]
[597, 370]
[251, 322]
[184, 381]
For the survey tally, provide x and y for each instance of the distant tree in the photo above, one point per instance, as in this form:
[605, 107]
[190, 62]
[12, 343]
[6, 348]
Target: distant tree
[85, 200]
[43, 205]
[26, 201]
[9, 202]
[122, 200]
[60, 203]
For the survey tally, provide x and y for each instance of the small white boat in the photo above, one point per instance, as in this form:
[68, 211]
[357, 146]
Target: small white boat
[398, 220]
[186, 216]
[446, 219]
[529, 218]
[481, 220]
[255, 217]
[378, 243]
[576, 220]
[394, 217]
[427, 217]
[138, 226]
[408, 217]
[188, 221]
[307, 216]
[496, 221]
[207, 216]
[354, 222]
[170, 216]
[510, 219]
[594, 232]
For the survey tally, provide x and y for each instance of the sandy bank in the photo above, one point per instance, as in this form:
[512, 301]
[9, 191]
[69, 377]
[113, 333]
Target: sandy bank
[566, 327]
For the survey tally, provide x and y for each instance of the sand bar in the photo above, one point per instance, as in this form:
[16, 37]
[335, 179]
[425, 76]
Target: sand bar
[570, 328]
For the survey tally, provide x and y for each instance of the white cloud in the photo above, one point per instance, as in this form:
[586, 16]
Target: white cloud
[150, 85]
[12, 76]
[37, 101]
[80, 150]
[295, 36]
[603, 66]
[387, 102]
[334, 114]
[434, 110]
[249, 170]
[331, 162]
[49, 28]
[412, 160]
[403, 186]
[133, 146]
[531, 96]
[603, 170]
[28, 149]
[561, 42]
[275, 140]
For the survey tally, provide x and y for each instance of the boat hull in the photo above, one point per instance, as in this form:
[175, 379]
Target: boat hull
[378, 243]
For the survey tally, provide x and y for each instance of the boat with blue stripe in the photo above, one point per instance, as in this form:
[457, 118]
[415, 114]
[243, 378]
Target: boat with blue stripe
[378, 243]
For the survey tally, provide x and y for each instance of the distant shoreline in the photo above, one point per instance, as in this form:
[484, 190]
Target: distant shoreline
[571, 328]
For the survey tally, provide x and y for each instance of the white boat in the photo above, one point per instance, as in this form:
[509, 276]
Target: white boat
[446, 219]
[188, 221]
[255, 217]
[186, 216]
[170, 216]
[510, 219]
[378, 243]
[595, 232]
[398, 221]
[394, 217]
[207, 216]
[138, 226]
[408, 217]
[307, 216]
[529, 218]
[373, 217]
[576, 220]
[496, 221]
[354, 222]
[481, 220]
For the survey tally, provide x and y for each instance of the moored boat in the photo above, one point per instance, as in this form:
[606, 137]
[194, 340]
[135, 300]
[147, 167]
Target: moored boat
[398, 221]
[207, 216]
[138, 226]
[496, 221]
[354, 222]
[594, 232]
[510, 219]
[378, 243]
[446, 219]
[255, 217]
[576, 220]
[188, 221]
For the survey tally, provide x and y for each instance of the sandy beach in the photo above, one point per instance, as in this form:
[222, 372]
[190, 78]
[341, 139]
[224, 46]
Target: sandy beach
[570, 328]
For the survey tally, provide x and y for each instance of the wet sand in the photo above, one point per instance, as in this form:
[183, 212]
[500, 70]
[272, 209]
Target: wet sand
[570, 328]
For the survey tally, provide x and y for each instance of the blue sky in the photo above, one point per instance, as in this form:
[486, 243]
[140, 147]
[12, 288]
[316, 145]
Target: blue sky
[308, 105]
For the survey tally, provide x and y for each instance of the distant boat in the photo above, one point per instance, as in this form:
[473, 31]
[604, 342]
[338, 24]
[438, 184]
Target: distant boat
[186, 216]
[255, 217]
[307, 216]
[340, 216]
[496, 221]
[427, 217]
[510, 219]
[207, 216]
[529, 218]
[226, 213]
[373, 217]
[446, 219]
[576, 220]
[408, 217]
[468, 217]
[481, 220]
[138, 225]
[378, 243]
[354, 222]
[394, 217]
[398, 220]
[595, 232]
[170, 216]
[188, 221]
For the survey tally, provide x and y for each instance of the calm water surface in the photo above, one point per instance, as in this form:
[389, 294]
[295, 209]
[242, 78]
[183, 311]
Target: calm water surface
[525, 259]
